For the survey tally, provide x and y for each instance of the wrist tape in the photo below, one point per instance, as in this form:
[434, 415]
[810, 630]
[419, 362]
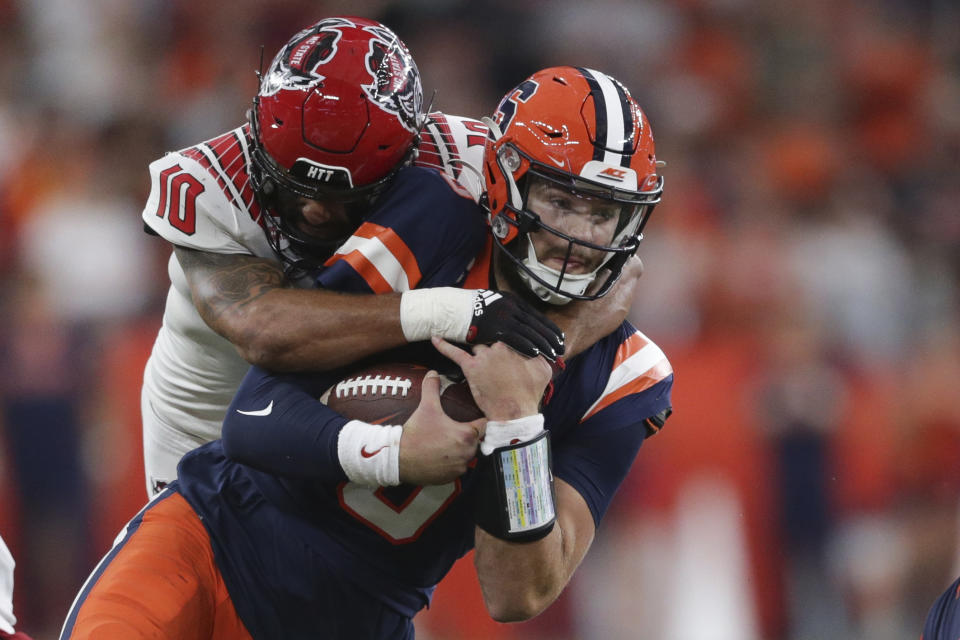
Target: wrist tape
[370, 453]
[515, 498]
[502, 433]
[441, 311]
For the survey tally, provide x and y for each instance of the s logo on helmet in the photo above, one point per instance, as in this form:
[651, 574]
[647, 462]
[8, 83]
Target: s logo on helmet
[396, 82]
[508, 106]
[297, 64]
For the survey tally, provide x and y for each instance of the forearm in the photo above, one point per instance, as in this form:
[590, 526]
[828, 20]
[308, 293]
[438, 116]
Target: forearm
[521, 579]
[276, 424]
[296, 330]
[248, 301]
[586, 323]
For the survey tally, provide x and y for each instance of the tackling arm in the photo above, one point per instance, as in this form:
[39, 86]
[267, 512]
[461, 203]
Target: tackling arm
[585, 323]
[422, 236]
[248, 301]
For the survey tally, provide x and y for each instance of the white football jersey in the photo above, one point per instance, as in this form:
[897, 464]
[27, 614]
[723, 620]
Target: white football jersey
[454, 145]
[201, 198]
[7, 619]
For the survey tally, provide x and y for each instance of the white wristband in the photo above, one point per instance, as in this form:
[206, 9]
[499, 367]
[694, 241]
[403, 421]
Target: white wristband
[501, 434]
[440, 311]
[370, 453]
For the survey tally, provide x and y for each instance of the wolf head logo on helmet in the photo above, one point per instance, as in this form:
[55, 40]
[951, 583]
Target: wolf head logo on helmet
[297, 65]
[396, 86]
[579, 133]
[338, 113]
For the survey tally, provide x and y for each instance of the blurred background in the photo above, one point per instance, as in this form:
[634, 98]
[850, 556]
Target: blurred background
[801, 274]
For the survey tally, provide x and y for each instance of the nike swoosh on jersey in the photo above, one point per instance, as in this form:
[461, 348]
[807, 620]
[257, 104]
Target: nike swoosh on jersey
[259, 412]
[370, 454]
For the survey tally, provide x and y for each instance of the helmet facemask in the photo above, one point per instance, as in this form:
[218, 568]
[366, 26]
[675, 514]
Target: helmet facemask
[514, 224]
[278, 191]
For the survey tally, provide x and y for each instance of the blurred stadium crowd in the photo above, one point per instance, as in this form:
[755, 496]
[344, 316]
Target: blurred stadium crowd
[801, 274]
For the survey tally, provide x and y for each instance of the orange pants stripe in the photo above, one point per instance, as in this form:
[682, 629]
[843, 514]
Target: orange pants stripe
[159, 582]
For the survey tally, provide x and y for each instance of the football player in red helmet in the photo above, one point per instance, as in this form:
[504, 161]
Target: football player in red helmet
[568, 198]
[316, 197]
[337, 115]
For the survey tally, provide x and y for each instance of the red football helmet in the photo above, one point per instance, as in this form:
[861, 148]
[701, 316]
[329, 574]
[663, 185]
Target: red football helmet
[580, 130]
[338, 114]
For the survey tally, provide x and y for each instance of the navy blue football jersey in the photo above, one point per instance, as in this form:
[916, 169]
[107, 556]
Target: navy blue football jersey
[943, 619]
[405, 243]
[291, 534]
[295, 535]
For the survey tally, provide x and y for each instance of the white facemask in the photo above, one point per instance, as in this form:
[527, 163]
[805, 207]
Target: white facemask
[574, 284]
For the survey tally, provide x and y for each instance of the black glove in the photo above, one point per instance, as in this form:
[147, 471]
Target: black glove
[504, 317]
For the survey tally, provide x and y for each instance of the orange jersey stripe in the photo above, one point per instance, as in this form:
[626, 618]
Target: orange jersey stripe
[629, 347]
[638, 365]
[660, 371]
[367, 270]
[394, 269]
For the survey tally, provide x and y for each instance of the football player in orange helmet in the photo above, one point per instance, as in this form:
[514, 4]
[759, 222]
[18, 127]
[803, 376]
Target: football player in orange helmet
[568, 198]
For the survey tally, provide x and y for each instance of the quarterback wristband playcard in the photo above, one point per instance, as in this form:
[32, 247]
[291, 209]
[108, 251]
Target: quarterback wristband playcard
[517, 500]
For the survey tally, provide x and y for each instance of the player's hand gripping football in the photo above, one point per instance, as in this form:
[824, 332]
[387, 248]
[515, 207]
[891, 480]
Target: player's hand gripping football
[434, 448]
[507, 387]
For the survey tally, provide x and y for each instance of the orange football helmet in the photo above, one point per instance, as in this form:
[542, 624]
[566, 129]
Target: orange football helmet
[582, 130]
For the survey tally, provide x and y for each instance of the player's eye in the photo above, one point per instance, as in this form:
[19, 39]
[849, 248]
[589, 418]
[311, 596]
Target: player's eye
[605, 215]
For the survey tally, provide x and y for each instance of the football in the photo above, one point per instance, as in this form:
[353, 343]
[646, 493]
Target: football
[390, 393]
